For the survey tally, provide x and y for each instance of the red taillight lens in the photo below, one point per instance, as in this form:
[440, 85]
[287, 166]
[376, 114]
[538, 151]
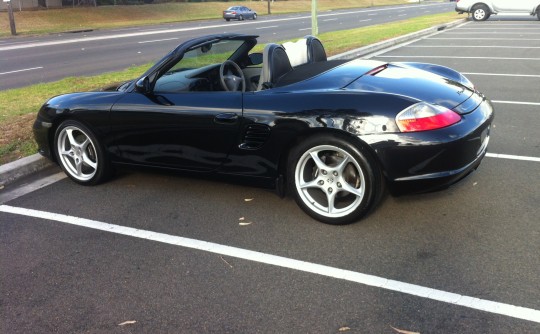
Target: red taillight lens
[423, 116]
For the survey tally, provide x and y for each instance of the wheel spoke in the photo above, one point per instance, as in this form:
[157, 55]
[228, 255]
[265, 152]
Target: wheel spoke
[331, 196]
[71, 139]
[78, 164]
[320, 164]
[84, 144]
[342, 164]
[68, 153]
[350, 189]
[309, 184]
[86, 159]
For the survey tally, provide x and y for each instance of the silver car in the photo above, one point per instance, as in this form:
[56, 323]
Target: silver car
[239, 13]
[482, 10]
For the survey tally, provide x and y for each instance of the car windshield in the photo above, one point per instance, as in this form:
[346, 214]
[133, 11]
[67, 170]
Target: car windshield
[207, 54]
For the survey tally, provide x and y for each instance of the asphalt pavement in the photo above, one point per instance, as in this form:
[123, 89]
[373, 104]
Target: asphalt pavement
[153, 252]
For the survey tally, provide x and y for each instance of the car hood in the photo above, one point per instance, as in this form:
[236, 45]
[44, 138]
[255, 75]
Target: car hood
[418, 84]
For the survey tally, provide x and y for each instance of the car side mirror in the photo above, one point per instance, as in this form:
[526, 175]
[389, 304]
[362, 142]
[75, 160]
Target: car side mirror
[256, 58]
[143, 85]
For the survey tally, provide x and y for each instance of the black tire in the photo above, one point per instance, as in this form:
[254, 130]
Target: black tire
[538, 13]
[241, 18]
[480, 13]
[227, 20]
[341, 187]
[254, 16]
[80, 154]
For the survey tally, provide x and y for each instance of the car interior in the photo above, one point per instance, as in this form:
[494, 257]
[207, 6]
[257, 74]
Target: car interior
[279, 65]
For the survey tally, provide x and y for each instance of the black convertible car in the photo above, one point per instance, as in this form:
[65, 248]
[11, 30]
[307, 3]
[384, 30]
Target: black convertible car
[333, 133]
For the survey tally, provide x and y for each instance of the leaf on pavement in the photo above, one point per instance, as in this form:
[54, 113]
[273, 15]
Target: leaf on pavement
[129, 322]
[244, 223]
[248, 199]
[344, 329]
[402, 331]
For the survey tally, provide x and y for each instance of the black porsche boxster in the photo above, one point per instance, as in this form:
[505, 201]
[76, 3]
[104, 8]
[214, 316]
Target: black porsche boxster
[333, 133]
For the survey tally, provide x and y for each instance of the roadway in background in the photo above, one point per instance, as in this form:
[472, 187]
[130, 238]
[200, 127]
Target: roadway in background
[31, 60]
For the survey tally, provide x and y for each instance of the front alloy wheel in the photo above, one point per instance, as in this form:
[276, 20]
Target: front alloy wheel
[333, 181]
[79, 154]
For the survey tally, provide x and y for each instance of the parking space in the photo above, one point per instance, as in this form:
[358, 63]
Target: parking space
[475, 245]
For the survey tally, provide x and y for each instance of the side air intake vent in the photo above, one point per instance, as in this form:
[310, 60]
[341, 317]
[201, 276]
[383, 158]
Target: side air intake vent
[255, 135]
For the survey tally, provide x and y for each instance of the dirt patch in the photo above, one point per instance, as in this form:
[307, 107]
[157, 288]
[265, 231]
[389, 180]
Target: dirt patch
[16, 137]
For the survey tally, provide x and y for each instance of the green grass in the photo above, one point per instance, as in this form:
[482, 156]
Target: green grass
[20, 105]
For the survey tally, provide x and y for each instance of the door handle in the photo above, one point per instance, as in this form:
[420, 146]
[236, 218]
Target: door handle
[226, 118]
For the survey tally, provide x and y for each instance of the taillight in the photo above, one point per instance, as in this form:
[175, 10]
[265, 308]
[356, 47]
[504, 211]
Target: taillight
[423, 116]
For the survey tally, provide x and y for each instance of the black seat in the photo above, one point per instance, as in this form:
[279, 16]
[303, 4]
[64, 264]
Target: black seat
[315, 50]
[275, 64]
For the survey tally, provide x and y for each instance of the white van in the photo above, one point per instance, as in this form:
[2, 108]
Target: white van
[481, 10]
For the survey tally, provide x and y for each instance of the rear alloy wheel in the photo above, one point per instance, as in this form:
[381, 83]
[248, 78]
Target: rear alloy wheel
[79, 153]
[333, 181]
[254, 16]
[480, 13]
[241, 18]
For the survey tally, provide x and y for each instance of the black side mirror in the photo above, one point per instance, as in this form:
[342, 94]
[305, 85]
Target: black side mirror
[143, 85]
[256, 58]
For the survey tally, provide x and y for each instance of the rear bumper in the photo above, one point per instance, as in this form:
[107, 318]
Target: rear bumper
[434, 181]
[426, 161]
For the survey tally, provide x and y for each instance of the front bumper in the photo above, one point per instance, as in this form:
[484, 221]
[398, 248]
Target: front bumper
[41, 130]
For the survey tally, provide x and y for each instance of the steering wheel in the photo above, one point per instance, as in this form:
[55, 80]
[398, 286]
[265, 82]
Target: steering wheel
[231, 81]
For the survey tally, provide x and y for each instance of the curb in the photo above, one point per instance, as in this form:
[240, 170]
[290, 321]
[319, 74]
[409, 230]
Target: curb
[13, 171]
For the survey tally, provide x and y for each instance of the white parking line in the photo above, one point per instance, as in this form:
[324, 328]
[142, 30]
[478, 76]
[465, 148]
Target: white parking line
[458, 57]
[517, 102]
[6, 196]
[512, 157]
[23, 70]
[495, 32]
[352, 276]
[473, 46]
[503, 75]
[483, 38]
[505, 28]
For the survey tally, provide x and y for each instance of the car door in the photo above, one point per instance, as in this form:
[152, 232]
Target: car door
[191, 131]
[515, 6]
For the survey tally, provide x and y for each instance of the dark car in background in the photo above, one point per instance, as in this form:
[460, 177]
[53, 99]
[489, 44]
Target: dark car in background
[239, 13]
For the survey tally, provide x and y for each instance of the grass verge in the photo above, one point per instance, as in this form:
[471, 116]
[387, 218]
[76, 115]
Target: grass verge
[21, 104]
